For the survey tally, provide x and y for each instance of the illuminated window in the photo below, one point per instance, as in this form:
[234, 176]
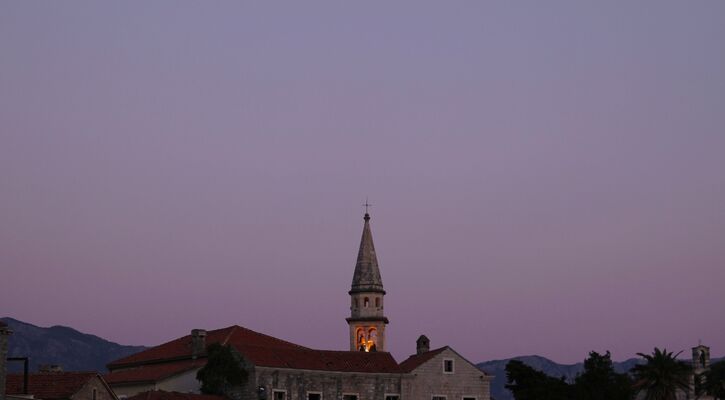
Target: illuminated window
[447, 366]
[373, 339]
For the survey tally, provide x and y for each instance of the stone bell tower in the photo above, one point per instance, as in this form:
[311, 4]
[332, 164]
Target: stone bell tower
[700, 359]
[367, 320]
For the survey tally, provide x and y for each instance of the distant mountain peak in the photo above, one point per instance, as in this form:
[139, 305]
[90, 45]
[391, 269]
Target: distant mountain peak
[62, 345]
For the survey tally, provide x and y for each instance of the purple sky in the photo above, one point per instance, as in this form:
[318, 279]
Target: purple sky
[547, 177]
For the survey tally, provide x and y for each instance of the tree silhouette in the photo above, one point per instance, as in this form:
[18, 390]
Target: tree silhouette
[527, 383]
[223, 371]
[599, 381]
[662, 375]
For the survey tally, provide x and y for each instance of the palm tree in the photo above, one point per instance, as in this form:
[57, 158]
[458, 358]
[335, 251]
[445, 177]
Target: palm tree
[662, 375]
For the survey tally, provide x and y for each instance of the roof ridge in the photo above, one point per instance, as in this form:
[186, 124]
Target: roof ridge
[58, 373]
[272, 337]
[416, 360]
[351, 351]
[226, 339]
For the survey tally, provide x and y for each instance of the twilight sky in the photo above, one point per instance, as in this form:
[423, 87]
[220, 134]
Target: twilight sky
[547, 177]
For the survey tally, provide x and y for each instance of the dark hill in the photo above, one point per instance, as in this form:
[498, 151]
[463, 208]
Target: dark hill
[72, 350]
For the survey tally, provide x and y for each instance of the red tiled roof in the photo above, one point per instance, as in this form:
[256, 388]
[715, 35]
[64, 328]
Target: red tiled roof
[152, 372]
[181, 347]
[51, 385]
[163, 395]
[416, 360]
[321, 360]
[262, 350]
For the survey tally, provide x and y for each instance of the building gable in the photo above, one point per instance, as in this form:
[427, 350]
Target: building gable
[445, 373]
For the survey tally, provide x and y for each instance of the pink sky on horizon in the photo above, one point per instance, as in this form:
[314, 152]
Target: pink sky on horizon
[546, 178]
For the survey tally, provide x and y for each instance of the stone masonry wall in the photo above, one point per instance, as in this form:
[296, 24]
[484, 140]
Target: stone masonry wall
[86, 392]
[466, 380]
[332, 385]
[185, 383]
[4, 334]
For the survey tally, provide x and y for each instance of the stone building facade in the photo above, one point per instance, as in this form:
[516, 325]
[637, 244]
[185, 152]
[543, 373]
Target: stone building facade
[5, 333]
[700, 365]
[443, 374]
[282, 383]
[280, 370]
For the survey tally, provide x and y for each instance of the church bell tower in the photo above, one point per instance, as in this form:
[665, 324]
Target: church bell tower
[367, 320]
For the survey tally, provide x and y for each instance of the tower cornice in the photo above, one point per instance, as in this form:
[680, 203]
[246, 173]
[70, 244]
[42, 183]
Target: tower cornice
[368, 319]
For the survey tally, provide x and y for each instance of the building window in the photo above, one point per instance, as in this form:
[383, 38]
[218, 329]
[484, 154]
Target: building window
[349, 397]
[314, 395]
[366, 302]
[279, 395]
[438, 397]
[95, 394]
[469, 398]
[392, 397]
[447, 365]
[355, 303]
[377, 302]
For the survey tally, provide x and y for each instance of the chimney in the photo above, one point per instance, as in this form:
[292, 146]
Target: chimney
[50, 368]
[4, 333]
[198, 342]
[422, 345]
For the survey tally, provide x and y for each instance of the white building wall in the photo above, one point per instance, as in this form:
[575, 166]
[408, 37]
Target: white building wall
[466, 380]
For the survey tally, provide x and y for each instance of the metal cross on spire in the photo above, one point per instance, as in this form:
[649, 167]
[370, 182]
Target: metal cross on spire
[367, 205]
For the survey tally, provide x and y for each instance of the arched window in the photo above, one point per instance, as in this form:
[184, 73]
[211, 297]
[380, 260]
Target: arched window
[355, 304]
[361, 341]
[366, 302]
[377, 302]
[373, 339]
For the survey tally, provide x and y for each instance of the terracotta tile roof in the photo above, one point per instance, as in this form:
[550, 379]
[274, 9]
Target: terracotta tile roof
[181, 348]
[416, 360]
[163, 395]
[152, 372]
[51, 385]
[321, 360]
[262, 350]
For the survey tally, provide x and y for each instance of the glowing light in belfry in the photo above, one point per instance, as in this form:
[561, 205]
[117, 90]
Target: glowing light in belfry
[367, 342]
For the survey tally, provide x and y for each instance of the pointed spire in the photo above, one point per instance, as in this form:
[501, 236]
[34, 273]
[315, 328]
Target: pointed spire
[367, 274]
